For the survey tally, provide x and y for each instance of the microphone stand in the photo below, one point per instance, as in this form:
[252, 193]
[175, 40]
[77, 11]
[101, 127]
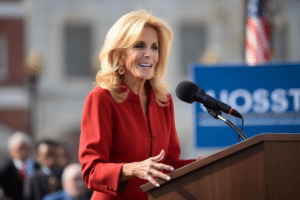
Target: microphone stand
[217, 115]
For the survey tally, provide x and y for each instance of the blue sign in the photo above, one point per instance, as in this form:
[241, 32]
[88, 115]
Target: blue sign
[267, 96]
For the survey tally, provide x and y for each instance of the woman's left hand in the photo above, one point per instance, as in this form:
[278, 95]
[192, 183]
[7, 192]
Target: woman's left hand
[147, 169]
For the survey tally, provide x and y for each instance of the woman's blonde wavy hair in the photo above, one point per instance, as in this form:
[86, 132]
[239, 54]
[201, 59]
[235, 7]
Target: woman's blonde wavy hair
[122, 35]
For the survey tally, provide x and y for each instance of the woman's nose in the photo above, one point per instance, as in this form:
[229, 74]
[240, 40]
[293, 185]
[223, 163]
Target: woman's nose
[147, 52]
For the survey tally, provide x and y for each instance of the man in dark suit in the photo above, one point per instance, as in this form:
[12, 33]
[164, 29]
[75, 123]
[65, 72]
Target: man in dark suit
[18, 167]
[45, 180]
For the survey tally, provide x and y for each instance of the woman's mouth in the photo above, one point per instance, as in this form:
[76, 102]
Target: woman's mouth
[145, 65]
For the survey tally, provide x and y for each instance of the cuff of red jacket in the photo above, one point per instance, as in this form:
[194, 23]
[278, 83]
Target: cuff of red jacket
[109, 183]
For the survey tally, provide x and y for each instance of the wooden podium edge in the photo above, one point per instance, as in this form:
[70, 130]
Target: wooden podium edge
[223, 154]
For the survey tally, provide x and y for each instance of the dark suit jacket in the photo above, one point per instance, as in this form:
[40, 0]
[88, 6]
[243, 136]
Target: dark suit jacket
[37, 186]
[10, 180]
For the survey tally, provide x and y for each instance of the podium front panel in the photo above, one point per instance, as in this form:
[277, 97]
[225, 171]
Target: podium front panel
[264, 167]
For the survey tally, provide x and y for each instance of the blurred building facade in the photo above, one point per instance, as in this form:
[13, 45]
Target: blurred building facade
[69, 36]
[14, 99]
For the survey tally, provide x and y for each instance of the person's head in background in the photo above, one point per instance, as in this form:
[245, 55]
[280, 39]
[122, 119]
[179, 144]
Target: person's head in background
[20, 146]
[64, 156]
[46, 153]
[72, 181]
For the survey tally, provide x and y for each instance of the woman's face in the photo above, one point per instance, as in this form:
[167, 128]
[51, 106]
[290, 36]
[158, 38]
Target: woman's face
[141, 58]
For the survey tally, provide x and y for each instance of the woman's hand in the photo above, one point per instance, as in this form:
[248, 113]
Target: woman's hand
[147, 169]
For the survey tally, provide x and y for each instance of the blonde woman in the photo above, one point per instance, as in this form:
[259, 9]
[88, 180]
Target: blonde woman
[128, 132]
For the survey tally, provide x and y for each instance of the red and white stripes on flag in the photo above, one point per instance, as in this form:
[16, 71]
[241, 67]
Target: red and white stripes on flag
[258, 33]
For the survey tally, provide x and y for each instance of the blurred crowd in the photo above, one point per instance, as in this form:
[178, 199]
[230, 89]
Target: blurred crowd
[41, 171]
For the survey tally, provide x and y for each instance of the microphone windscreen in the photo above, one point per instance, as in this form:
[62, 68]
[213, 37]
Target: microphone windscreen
[186, 91]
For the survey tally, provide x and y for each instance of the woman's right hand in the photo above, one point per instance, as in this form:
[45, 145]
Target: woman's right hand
[147, 169]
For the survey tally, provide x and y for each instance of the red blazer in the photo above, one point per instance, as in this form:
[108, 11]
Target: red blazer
[113, 134]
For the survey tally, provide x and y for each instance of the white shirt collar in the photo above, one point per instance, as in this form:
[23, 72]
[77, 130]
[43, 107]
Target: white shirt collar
[18, 163]
[29, 163]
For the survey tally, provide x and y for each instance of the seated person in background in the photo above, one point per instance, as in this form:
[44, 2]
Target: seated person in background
[73, 185]
[45, 180]
[18, 167]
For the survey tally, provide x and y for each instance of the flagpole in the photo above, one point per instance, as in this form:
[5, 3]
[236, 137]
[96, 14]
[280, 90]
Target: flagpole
[245, 29]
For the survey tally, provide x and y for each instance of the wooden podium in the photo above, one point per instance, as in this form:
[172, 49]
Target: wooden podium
[266, 166]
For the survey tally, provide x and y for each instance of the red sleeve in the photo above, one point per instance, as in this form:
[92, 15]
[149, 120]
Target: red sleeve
[173, 154]
[95, 143]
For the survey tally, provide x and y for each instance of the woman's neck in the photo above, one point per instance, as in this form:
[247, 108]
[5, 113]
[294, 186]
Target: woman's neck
[137, 86]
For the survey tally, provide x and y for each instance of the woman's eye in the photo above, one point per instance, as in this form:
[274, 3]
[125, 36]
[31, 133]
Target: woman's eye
[154, 47]
[139, 46]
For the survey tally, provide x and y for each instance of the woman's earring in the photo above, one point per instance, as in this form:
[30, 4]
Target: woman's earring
[121, 70]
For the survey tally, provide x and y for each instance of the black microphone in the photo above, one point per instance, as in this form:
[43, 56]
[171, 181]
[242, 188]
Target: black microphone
[189, 92]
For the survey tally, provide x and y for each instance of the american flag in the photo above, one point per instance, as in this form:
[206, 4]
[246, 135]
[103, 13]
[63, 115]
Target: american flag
[258, 33]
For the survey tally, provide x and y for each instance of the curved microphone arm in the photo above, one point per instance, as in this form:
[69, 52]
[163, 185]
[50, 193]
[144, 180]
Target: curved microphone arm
[217, 115]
